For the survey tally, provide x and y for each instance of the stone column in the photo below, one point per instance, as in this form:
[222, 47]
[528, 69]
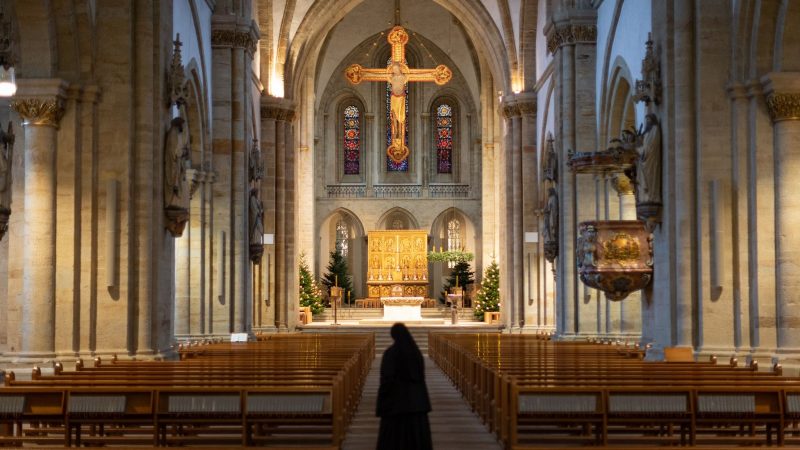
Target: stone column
[528, 203]
[571, 38]
[40, 105]
[276, 116]
[782, 91]
[509, 281]
[233, 40]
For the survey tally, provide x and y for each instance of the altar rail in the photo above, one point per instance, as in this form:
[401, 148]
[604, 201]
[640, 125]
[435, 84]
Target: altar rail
[535, 393]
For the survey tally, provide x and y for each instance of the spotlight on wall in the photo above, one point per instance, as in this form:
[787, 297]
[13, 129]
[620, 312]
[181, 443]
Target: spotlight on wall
[8, 82]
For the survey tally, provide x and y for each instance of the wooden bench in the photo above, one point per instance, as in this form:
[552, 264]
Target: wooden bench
[532, 392]
[280, 391]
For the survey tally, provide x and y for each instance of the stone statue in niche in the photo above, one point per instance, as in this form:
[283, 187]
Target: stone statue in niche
[176, 161]
[648, 166]
[550, 233]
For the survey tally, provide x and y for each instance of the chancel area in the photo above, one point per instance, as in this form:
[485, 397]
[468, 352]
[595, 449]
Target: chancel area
[583, 210]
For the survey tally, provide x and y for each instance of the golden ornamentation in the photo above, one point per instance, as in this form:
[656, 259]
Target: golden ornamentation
[783, 106]
[233, 38]
[570, 34]
[39, 111]
[402, 301]
[622, 184]
[621, 248]
[610, 257]
[398, 258]
[398, 74]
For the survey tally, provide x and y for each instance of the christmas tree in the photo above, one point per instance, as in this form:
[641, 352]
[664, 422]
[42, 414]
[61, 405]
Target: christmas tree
[488, 297]
[461, 273]
[310, 294]
[338, 273]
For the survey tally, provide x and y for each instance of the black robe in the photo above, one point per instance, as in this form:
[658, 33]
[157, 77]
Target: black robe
[403, 402]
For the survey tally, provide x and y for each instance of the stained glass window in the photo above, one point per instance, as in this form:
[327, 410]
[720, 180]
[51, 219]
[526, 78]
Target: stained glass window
[444, 138]
[453, 238]
[352, 141]
[392, 166]
[342, 235]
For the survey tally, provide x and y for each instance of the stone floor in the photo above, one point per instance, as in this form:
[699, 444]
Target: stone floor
[453, 424]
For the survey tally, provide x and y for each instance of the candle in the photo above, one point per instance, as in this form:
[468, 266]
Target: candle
[456, 280]
[336, 277]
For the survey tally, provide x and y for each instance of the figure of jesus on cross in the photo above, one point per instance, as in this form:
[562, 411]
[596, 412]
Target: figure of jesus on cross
[397, 74]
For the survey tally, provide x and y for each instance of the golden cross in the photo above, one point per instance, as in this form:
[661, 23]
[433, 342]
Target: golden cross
[397, 74]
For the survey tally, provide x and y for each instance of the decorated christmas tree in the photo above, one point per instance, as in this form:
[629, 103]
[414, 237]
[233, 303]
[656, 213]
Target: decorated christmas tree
[338, 273]
[488, 297]
[310, 294]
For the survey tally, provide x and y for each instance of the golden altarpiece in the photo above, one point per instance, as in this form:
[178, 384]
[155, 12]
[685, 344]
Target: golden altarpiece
[398, 259]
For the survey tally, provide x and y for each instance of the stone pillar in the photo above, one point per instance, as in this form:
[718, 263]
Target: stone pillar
[233, 40]
[509, 281]
[276, 117]
[40, 105]
[528, 203]
[571, 27]
[782, 91]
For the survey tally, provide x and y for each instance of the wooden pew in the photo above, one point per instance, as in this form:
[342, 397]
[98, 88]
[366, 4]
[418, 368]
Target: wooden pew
[295, 390]
[533, 392]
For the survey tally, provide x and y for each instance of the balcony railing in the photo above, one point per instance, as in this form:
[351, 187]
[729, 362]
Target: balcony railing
[346, 191]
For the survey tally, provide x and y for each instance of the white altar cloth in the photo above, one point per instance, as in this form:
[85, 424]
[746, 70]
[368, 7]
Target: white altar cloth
[401, 309]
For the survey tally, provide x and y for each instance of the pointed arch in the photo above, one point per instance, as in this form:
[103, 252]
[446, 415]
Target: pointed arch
[389, 220]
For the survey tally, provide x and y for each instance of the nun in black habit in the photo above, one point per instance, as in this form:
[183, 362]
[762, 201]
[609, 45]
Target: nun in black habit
[403, 402]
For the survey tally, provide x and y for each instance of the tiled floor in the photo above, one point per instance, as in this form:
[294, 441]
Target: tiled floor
[453, 424]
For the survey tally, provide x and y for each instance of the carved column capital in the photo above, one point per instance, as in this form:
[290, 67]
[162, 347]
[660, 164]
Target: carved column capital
[510, 107]
[782, 90]
[276, 108]
[783, 106]
[39, 111]
[230, 31]
[570, 34]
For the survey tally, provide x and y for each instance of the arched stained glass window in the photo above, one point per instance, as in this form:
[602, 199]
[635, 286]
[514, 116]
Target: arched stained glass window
[342, 236]
[392, 166]
[444, 138]
[352, 141]
[453, 238]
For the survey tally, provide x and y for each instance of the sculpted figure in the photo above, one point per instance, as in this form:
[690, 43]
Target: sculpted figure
[550, 233]
[176, 157]
[256, 218]
[648, 168]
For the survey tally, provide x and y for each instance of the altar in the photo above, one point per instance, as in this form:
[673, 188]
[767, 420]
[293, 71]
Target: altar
[402, 309]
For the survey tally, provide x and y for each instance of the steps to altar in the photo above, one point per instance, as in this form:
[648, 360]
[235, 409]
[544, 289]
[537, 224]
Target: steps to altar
[354, 316]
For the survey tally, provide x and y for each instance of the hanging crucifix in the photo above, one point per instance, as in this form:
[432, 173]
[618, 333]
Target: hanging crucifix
[397, 74]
